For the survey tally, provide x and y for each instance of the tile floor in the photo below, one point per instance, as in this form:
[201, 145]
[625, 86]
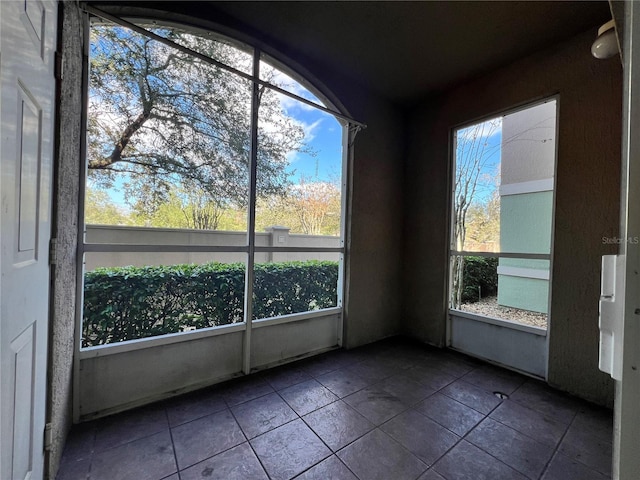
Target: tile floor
[392, 410]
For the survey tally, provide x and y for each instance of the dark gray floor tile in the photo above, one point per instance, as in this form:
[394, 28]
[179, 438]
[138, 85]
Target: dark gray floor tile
[494, 379]
[343, 382]
[356, 355]
[471, 396]
[421, 436]
[289, 450]
[330, 469]
[530, 422]
[245, 389]
[403, 387]
[283, 377]
[376, 405]
[80, 442]
[307, 396]
[467, 462]
[372, 371]
[431, 474]
[452, 364]
[263, 414]
[450, 414]
[209, 443]
[194, 405]
[74, 469]
[522, 453]
[376, 456]
[410, 354]
[205, 437]
[148, 458]
[132, 425]
[392, 359]
[594, 420]
[429, 377]
[325, 363]
[539, 396]
[237, 463]
[563, 468]
[591, 450]
[338, 424]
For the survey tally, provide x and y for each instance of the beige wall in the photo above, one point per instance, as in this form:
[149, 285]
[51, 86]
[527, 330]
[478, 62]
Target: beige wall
[110, 234]
[374, 247]
[587, 201]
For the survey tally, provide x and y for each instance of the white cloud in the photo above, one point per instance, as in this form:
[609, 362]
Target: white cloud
[289, 84]
[310, 130]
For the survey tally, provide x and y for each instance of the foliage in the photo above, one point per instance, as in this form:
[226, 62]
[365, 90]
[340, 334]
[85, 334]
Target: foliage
[99, 209]
[159, 117]
[483, 224]
[473, 154]
[125, 303]
[308, 207]
[317, 206]
[480, 278]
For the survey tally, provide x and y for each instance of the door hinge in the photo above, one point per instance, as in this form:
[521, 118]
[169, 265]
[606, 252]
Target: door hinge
[48, 437]
[53, 251]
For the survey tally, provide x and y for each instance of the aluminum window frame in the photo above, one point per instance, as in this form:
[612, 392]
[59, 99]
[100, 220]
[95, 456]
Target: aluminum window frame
[452, 251]
[348, 126]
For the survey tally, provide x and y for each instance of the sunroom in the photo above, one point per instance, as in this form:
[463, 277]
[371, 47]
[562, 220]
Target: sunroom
[241, 188]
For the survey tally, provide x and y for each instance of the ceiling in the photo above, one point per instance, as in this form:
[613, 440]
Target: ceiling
[405, 50]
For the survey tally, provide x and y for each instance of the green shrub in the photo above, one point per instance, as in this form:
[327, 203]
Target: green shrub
[480, 277]
[125, 303]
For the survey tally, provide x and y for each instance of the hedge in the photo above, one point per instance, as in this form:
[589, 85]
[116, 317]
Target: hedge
[125, 303]
[480, 277]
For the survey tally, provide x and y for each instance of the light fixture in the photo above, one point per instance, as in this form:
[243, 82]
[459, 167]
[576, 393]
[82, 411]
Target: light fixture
[606, 45]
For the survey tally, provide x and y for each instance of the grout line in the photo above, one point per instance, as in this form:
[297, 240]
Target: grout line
[372, 357]
[173, 445]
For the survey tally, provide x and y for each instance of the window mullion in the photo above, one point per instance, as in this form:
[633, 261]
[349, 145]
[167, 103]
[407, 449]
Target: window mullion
[251, 223]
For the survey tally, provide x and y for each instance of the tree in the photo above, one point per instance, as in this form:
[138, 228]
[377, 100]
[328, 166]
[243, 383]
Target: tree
[316, 204]
[99, 209]
[309, 207]
[160, 117]
[473, 154]
[483, 224]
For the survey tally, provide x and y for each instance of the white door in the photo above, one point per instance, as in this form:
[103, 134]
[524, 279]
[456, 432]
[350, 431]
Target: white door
[27, 94]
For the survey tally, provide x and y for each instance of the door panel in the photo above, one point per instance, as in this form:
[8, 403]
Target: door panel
[27, 88]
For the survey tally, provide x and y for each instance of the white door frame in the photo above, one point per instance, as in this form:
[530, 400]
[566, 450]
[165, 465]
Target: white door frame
[626, 445]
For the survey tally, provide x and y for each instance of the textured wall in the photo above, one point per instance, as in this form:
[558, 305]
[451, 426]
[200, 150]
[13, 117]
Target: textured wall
[375, 240]
[587, 200]
[61, 347]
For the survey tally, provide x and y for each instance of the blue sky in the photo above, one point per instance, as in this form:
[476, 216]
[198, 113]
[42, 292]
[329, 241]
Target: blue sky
[491, 139]
[323, 136]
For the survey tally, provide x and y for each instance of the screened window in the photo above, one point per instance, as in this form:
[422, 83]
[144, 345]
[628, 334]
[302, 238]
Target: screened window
[214, 192]
[503, 216]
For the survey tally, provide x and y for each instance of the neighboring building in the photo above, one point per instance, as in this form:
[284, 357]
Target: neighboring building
[526, 205]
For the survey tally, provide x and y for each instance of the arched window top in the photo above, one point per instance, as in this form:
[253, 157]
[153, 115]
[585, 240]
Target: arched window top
[207, 158]
[233, 55]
